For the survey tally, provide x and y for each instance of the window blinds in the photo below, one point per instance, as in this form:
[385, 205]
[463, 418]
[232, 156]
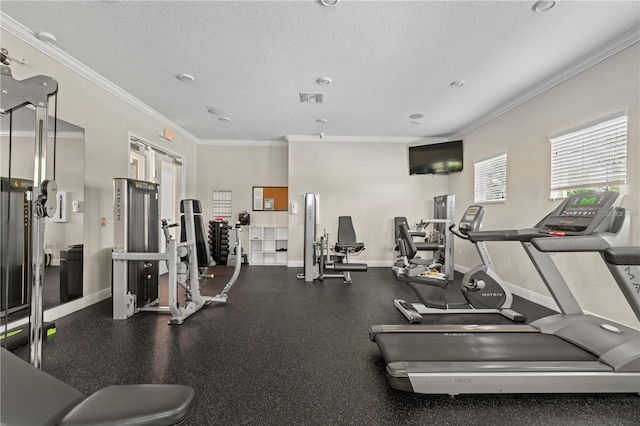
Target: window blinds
[491, 179]
[594, 156]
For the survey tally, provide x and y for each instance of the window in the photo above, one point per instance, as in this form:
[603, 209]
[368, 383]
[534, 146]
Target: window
[593, 157]
[491, 179]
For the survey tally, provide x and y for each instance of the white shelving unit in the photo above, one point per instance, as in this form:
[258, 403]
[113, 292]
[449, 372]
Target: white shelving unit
[268, 245]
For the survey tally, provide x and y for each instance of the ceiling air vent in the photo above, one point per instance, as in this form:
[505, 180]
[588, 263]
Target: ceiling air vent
[311, 98]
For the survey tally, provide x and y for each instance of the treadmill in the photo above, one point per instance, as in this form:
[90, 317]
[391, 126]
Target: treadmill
[570, 352]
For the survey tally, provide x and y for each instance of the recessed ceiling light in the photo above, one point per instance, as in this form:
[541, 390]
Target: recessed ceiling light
[416, 122]
[47, 37]
[542, 5]
[329, 3]
[324, 81]
[321, 120]
[187, 78]
[214, 110]
[416, 116]
[458, 83]
[225, 119]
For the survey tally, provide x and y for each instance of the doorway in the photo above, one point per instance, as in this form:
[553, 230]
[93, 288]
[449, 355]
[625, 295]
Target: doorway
[152, 163]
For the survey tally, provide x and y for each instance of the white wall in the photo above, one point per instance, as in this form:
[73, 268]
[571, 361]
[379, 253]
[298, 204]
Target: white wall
[239, 169]
[606, 88]
[107, 120]
[366, 180]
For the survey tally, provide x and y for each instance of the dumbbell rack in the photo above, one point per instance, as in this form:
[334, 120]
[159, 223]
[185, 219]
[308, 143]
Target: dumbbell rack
[219, 241]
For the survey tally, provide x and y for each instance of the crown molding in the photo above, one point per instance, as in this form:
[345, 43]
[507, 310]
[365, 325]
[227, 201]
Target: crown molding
[32, 134]
[618, 44]
[364, 139]
[18, 30]
[241, 142]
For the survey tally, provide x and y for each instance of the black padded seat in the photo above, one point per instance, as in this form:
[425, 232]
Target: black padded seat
[427, 246]
[420, 245]
[401, 219]
[350, 267]
[202, 248]
[352, 247]
[409, 244]
[33, 397]
[347, 241]
[137, 405]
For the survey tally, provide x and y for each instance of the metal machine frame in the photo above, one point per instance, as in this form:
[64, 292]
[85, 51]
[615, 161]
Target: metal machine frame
[316, 251]
[184, 273]
[16, 94]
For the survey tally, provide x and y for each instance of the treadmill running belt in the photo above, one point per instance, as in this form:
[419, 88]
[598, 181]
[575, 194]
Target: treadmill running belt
[490, 347]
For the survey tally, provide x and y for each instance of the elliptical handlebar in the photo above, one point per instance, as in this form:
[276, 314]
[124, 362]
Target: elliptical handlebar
[457, 233]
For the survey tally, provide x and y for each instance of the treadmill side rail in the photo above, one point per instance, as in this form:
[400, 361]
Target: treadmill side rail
[462, 328]
[513, 377]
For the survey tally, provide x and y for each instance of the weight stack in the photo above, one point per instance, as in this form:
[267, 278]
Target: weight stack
[219, 241]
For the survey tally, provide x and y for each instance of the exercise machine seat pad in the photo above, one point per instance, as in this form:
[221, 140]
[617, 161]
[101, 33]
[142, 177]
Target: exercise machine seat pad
[427, 246]
[350, 267]
[133, 405]
[31, 396]
[401, 219]
[347, 237]
[202, 249]
[197, 205]
[343, 247]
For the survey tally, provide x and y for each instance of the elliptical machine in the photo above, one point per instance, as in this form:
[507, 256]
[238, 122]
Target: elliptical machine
[482, 288]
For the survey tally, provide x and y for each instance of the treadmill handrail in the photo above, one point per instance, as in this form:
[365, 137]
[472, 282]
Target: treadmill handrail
[522, 235]
[623, 255]
[571, 244]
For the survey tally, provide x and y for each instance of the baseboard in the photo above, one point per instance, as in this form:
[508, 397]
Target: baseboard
[65, 309]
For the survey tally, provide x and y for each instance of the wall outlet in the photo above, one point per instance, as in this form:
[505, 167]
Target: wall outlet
[76, 206]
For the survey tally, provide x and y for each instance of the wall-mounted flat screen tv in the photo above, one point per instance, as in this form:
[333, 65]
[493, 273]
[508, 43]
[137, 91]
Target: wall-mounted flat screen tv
[437, 158]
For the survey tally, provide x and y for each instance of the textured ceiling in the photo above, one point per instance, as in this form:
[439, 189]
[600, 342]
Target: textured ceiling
[387, 59]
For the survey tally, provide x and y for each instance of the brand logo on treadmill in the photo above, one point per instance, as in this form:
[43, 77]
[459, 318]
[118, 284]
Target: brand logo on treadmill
[631, 278]
[444, 381]
[491, 294]
[588, 201]
[118, 204]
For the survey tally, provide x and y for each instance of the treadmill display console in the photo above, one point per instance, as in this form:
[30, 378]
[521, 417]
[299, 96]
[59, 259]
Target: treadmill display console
[581, 212]
[471, 219]
[584, 205]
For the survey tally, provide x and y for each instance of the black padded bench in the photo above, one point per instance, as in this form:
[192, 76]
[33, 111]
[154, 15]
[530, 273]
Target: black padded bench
[350, 267]
[348, 244]
[32, 397]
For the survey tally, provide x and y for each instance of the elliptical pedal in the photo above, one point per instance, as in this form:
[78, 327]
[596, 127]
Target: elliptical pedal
[408, 311]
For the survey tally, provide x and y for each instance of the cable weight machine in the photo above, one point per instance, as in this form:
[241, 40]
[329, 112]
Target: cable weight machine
[35, 91]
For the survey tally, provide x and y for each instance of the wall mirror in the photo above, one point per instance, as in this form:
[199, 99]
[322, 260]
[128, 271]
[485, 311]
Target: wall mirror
[64, 234]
